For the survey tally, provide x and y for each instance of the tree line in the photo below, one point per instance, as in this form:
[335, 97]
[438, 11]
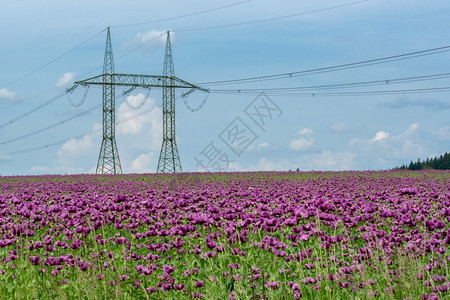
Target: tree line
[437, 163]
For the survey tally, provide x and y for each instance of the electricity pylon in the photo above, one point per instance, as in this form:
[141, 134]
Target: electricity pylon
[108, 162]
[108, 159]
[169, 159]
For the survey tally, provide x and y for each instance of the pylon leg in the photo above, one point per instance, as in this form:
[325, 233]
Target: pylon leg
[108, 159]
[169, 159]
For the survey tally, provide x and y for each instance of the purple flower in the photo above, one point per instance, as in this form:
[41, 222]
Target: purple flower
[35, 260]
[168, 269]
[295, 287]
[235, 251]
[199, 284]
[166, 287]
[274, 285]
[123, 277]
[236, 277]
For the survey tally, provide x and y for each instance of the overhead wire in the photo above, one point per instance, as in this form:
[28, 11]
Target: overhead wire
[56, 124]
[271, 19]
[340, 67]
[32, 110]
[92, 132]
[182, 16]
[339, 85]
[140, 46]
[340, 94]
[53, 60]
[258, 78]
[64, 93]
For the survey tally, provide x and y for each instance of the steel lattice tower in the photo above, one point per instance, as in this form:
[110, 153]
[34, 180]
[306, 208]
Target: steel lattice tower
[169, 159]
[108, 159]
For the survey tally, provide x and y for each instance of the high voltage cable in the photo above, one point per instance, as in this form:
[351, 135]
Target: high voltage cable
[53, 60]
[274, 76]
[62, 122]
[32, 110]
[340, 85]
[118, 26]
[140, 46]
[182, 16]
[27, 99]
[50, 101]
[92, 132]
[364, 63]
[339, 94]
[272, 19]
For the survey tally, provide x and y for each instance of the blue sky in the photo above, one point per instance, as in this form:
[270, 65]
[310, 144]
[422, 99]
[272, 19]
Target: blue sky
[347, 129]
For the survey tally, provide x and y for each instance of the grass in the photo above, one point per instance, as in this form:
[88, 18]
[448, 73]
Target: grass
[110, 270]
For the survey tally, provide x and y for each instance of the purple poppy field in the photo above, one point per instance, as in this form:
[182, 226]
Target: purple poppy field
[260, 235]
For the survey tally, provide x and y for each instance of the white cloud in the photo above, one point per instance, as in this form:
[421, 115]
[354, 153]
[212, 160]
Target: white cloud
[327, 160]
[66, 79]
[259, 147]
[4, 157]
[72, 154]
[7, 94]
[339, 127]
[234, 166]
[385, 136]
[138, 138]
[306, 131]
[144, 163]
[149, 40]
[145, 129]
[388, 149]
[265, 164]
[379, 136]
[41, 170]
[442, 133]
[411, 129]
[303, 143]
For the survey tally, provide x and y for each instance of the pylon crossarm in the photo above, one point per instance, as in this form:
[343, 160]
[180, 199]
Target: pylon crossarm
[144, 81]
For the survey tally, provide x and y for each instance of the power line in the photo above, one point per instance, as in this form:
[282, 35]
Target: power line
[339, 85]
[332, 68]
[340, 94]
[80, 76]
[182, 16]
[92, 132]
[56, 124]
[53, 60]
[272, 19]
[140, 46]
[32, 110]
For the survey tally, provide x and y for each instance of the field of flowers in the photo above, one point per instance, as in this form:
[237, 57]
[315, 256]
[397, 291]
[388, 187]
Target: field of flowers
[264, 235]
